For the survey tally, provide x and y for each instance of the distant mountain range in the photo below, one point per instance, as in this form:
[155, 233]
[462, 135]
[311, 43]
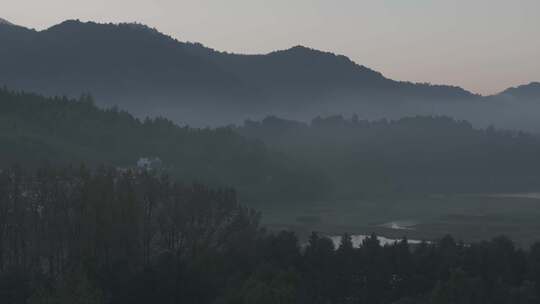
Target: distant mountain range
[148, 73]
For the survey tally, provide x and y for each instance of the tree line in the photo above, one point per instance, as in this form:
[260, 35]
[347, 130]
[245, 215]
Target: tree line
[277, 159]
[411, 155]
[103, 235]
[35, 129]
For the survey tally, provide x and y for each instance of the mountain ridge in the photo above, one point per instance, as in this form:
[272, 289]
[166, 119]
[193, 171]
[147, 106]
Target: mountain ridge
[292, 49]
[528, 91]
[142, 70]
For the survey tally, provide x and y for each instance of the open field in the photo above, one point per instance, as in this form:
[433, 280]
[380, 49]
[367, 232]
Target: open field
[467, 217]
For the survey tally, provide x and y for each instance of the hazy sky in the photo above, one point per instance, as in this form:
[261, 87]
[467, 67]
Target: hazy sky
[481, 45]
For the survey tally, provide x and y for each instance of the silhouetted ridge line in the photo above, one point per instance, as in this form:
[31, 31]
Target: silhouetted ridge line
[527, 91]
[136, 67]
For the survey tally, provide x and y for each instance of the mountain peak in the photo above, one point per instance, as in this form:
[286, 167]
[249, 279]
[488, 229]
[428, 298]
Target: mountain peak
[300, 50]
[66, 24]
[78, 26]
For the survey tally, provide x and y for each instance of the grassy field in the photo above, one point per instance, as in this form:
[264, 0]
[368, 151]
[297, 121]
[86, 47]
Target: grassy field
[467, 217]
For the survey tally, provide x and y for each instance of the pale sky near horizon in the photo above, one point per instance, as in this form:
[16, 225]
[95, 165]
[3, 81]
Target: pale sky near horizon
[483, 46]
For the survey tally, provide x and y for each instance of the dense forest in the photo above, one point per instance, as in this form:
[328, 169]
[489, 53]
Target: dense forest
[277, 159]
[35, 129]
[430, 154]
[75, 235]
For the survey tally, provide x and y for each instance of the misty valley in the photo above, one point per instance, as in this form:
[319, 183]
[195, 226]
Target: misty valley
[135, 168]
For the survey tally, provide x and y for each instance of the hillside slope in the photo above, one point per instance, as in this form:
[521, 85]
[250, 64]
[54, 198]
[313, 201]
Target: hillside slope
[34, 129]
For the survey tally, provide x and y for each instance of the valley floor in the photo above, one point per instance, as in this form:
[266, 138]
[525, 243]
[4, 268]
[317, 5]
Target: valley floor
[468, 217]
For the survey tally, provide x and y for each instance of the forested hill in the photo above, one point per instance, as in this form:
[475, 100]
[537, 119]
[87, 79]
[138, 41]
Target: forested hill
[106, 237]
[147, 72]
[34, 129]
[277, 159]
[426, 154]
[529, 91]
